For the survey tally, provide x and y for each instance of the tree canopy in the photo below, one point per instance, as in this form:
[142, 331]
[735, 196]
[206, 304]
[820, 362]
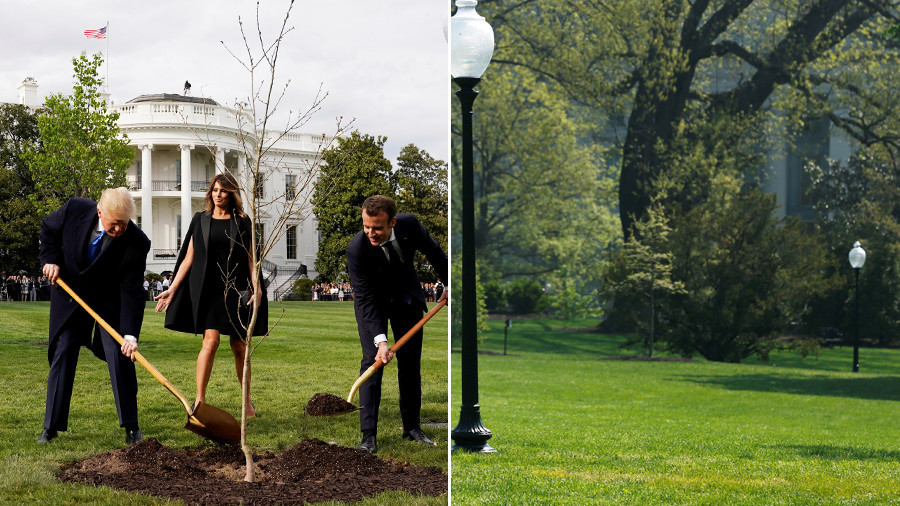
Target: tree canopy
[659, 72]
[19, 220]
[356, 169]
[81, 150]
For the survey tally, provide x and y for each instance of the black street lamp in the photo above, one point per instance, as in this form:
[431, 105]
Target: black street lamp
[471, 47]
[857, 260]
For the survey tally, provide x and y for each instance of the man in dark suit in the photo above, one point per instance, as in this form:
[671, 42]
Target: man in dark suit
[387, 288]
[102, 256]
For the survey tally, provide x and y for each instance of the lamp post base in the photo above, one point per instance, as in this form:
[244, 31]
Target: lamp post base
[470, 434]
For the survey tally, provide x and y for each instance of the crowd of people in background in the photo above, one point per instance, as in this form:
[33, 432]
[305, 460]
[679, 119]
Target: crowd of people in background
[31, 288]
[24, 288]
[339, 292]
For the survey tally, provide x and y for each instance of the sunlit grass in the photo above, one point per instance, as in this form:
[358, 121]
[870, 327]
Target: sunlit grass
[314, 348]
[574, 427]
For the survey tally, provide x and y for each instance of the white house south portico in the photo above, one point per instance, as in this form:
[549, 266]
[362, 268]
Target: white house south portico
[180, 143]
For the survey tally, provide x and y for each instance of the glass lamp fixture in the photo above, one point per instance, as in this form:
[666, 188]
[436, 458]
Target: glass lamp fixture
[471, 41]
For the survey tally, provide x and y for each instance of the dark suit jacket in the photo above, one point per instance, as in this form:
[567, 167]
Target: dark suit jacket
[376, 286]
[183, 312]
[112, 285]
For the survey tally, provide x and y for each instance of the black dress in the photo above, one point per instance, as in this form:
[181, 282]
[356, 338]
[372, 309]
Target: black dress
[220, 300]
[220, 247]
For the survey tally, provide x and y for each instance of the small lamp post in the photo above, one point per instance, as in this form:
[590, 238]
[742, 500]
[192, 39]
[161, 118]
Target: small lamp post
[471, 47]
[857, 260]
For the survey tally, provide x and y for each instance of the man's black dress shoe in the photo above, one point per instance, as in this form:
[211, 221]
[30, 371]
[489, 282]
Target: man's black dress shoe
[418, 435]
[47, 435]
[368, 444]
[133, 436]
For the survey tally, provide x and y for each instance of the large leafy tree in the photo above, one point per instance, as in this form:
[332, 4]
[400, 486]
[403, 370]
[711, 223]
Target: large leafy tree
[354, 169]
[539, 182]
[81, 150]
[421, 183]
[659, 72]
[19, 220]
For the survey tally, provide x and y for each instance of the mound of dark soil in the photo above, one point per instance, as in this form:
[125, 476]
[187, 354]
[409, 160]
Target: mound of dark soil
[327, 404]
[311, 471]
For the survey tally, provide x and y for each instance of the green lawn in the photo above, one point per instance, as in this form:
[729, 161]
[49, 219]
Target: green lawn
[314, 348]
[572, 427]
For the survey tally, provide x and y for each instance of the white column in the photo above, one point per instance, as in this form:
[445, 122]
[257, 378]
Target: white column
[242, 161]
[220, 160]
[186, 213]
[147, 190]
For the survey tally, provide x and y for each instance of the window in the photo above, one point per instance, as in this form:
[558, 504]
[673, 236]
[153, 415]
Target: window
[140, 170]
[292, 242]
[178, 172]
[259, 186]
[139, 222]
[290, 186]
[178, 232]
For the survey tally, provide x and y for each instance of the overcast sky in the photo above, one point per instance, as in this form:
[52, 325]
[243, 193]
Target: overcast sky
[383, 63]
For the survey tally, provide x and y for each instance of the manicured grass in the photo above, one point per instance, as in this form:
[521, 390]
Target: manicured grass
[573, 427]
[314, 348]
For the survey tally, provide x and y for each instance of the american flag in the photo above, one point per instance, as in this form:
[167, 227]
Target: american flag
[96, 34]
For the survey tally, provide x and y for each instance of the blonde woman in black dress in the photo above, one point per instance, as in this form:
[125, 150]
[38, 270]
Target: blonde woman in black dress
[211, 275]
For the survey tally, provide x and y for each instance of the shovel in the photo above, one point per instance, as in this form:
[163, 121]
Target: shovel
[327, 404]
[207, 421]
[400, 342]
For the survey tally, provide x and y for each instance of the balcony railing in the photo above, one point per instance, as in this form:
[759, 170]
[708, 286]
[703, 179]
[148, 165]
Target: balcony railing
[174, 186]
[165, 254]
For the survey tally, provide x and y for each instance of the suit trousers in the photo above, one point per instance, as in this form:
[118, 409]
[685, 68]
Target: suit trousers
[408, 360]
[62, 374]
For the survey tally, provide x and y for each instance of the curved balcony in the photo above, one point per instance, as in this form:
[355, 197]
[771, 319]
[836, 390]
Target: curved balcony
[136, 185]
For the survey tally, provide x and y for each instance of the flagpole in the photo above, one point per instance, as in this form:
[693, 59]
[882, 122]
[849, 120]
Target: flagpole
[107, 56]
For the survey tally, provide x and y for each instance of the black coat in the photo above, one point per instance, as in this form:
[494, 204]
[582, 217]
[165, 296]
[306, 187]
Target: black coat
[182, 315]
[112, 285]
[376, 286]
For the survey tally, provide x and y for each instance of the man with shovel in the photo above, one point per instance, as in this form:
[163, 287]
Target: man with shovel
[387, 288]
[94, 248]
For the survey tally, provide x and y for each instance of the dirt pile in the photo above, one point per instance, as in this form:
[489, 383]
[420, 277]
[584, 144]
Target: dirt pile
[328, 404]
[310, 471]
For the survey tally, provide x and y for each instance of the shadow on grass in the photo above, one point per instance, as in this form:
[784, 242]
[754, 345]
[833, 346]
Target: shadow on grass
[839, 453]
[876, 388]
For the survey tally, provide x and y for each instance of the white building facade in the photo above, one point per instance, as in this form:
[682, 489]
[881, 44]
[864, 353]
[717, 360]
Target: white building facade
[180, 143]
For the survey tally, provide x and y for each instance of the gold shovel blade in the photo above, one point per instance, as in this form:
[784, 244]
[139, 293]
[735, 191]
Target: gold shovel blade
[214, 423]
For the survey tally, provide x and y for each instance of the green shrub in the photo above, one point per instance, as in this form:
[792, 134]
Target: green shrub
[525, 296]
[302, 289]
[494, 295]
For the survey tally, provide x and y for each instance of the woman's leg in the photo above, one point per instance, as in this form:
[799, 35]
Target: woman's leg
[239, 348]
[205, 361]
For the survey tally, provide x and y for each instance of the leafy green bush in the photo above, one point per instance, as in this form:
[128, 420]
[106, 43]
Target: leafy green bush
[302, 289]
[494, 295]
[525, 296]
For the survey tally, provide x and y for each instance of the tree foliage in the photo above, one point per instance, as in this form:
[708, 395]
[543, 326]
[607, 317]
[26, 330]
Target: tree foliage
[747, 276]
[354, 170]
[421, 184]
[19, 220]
[81, 150]
[539, 184]
[638, 277]
[658, 72]
[860, 200]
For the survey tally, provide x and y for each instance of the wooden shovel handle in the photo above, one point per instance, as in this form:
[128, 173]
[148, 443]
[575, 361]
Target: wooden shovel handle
[400, 342]
[119, 339]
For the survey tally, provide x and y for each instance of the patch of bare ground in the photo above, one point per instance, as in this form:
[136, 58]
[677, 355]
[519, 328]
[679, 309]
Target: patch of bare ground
[310, 471]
